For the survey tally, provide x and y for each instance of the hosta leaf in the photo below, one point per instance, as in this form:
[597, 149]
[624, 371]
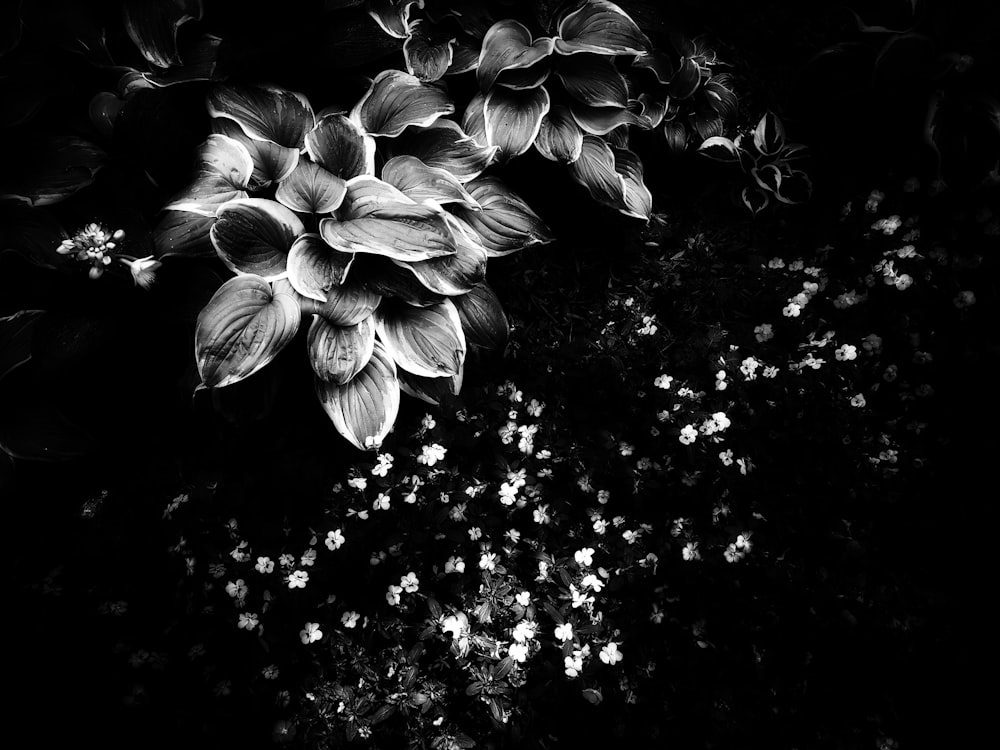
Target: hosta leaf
[685, 80]
[508, 46]
[638, 200]
[595, 170]
[474, 118]
[152, 26]
[314, 268]
[676, 136]
[406, 233]
[103, 110]
[721, 98]
[465, 57]
[200, 63]
[431, 390]
[224, 172]
[368, 196]
[338, 353]
[15, 339]
[768, 177]
[264, 113]
[506, 223]
[769, 135]
[601, 27]
[559, 137]
[446, 145]
[393, 15]
[483, 319]
[659, 63]
[617, 138]
[754, 199]
[593, 80]
[796, 187]
[341, 147]
[426, 341]
[455, 274]
[389, 279]
[311, 189]
[653, 109]
[242, 328]
[513, 118]
[254, 235]
[602, 120]
[421, 183]
[183, 233]
[397, 100]
[349, 303]
[271, 162]
[721, 149]
[428, 55]
[472, 16]
[364, 409]
[706, 123]
[62, 165]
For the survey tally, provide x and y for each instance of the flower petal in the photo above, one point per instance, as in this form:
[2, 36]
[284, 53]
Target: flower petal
[254, 235]
[405, 233]
[340, 147]
[314, 268]
[602, 27]
[483, 319]
[397, 100]
[242, 328]
[393, 15]
[452, 275]
[264, 113]
[364, 409]
[422, 183]
[444, 144]
[427, 56]
[223, 175]
[338, 353]
[602, 120]
[595, 170]
[426, 341]
[593, 80]
[271, 162]
[311, 189]
[508, 46]
[506, 223]
[559, 137]
[513, 119]
[152, 27]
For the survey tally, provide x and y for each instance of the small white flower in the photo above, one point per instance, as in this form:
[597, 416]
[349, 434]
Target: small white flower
[518, 652]
[524, 631]
[264, 565]
[410, 583]
[663, 381]
[381, 502]
[350, 619]
[524, 598]
[475, 533]
[143, 270]
[688, 434]
[431, 454]
[247, 621]
[311, 633]
[726, 457]
[584, 557]
[763, 332]
[535, 408]
[381, 469]
[791, 310]
[392, 594]
[489, 561]
[454, 565]
[457, 625]
[428, 422]
[298, 579]
[858, 400]
[690, 552]
[564, 632]
[846, 352]
[591, 581]
[358, 483]
[964, 299]
[610, 654]
[335, 540]
[308, 558]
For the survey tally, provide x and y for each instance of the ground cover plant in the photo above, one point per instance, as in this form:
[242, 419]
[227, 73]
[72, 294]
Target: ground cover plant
[690, 465]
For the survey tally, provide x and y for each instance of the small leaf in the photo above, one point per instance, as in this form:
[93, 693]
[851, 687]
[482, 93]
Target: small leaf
[364, 410]
[311, 189]
[506, 223]
[444, 144]
[600, 27]
[796, 187]
[314, 268]
[721, 149]
[769, 135]
[508, 46]
[559, 137]
[426, 341]
[254, 235]
[483, 319]
[341, 147]
[182, 233]
[265, 113]
[397, 100]
[242, 328]
[592, 695]
[638, 200]
[754, 199]
[768, 177]
[223, 175]
[422, 183]
[593, 80]
[152, 26]
[513, 119]
[428, 55]
[338, 353]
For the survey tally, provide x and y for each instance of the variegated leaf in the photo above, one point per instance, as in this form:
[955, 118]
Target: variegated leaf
[223, 175]
[242, 328]
[183, 233]
[341, 147]
[685, 81]
[265, 113]
[508, 45]
[405, 233]
[427, 56]
[254, 235]
[506, 223]
[311, 189]
[638, 200]
[721, 149]
[483, 319]
[152, 26]
[397, 100]
[601, 27]
[368, 197]
[349, 303]
[559, 137]
[422, 183]
[446, 145]
[393, 15]
[474, 118]
[338, 353]
[271, 162]
[314, 268]
[769, 135]
[426, 341]
[430, 390]
[513, 118]
[456, 274]
[602, 120]
[592, 80]
[595, 170]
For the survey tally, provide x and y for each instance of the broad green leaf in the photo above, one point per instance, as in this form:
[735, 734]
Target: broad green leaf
[474, 118]
[364, 409]
[686, 80]
[367, 196]
[513, 118]
[638, 201]
[720, 96]
[559, 137]
[314, 268]
[706, 123]
[62, 166]
[426, 341]
[33, 233]
[311, 189]
[182, 233]
[465, 57]
[755, 199]
[446, 145]
[242, 328]
[769, 135]
[431, 390]
[525, 78]
[455, 274]
[428, 55]
[796, 187]
[271, 162]
[422, 183]
[768, 177]
[265, 113]
[600, 27]
[592, 79]
[653, 109]
[103, 109]
[659, 63]
[721, 149]
[224, 172]
[397, 100]
[406, 233]
[341, 147]
[389, 279]
[508, 45]
[676, 136]
[200, 63]
[483, 319]
[602, 120]
[506, 223]
[595, 170]
[254, 235]
[338, 353]
[472, 16]
[349, 303]
[393, 16]
[152, 26]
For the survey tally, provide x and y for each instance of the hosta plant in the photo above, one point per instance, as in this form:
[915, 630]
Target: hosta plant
[385, 266]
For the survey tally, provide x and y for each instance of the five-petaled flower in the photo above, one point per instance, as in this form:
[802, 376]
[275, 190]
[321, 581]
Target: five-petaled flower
[392, 595]
[518, 652]
[564, 632]
[610, 654]
[335, 539]
[584, 557]
[410, 583]
[311, 633]
[238, 590]
[298, 579]
[247, 621]
[264, 565]
[350, 619]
